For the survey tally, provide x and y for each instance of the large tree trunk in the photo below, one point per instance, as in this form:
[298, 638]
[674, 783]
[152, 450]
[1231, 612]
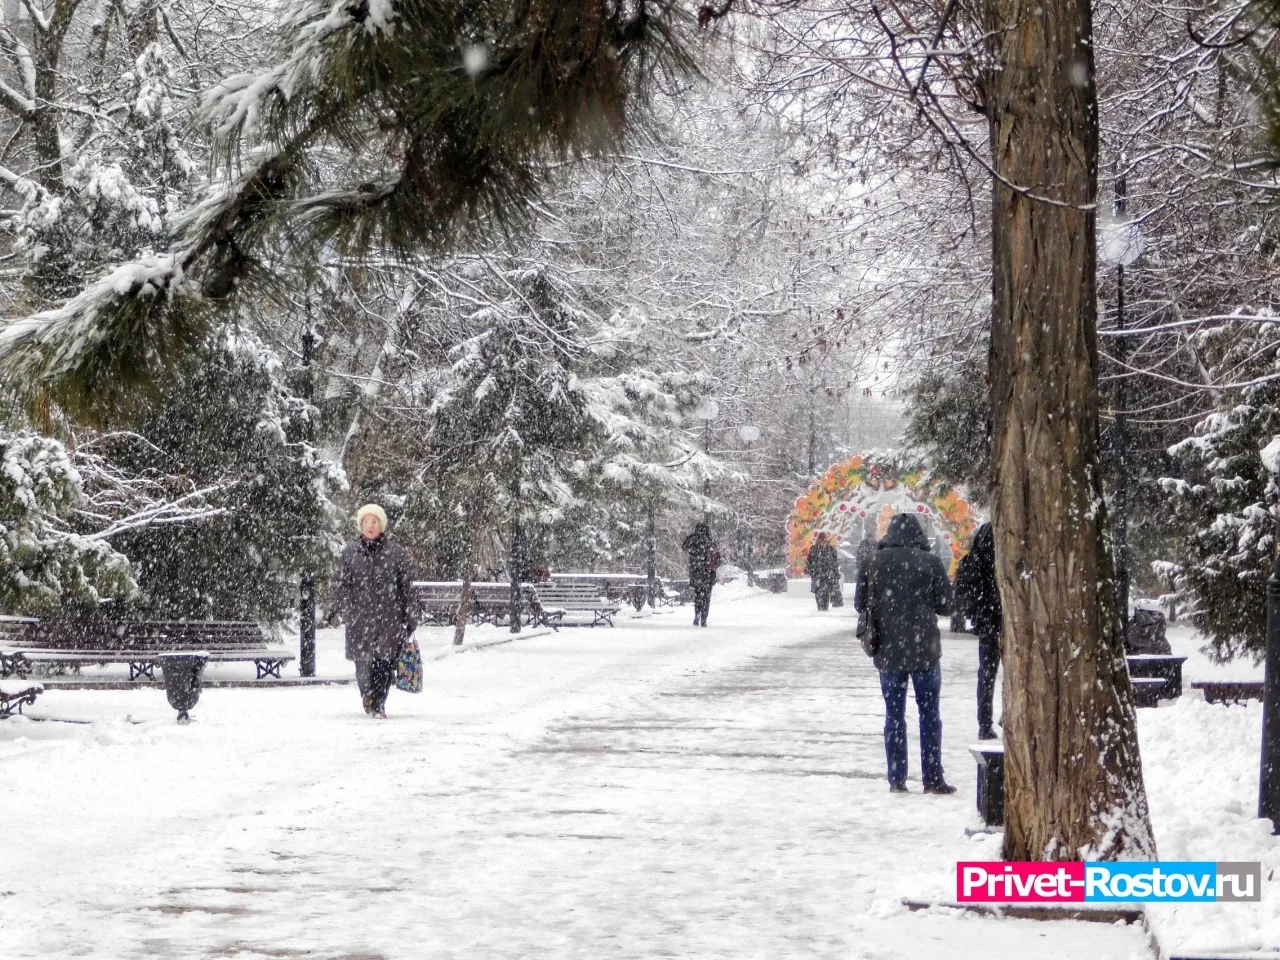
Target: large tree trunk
[1073, 775]
[45, 128]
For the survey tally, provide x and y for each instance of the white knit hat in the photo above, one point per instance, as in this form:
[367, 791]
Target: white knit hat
[377, 511]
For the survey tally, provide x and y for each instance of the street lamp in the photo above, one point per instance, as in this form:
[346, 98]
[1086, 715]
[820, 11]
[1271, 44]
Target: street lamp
[1122, 245]
[1269, 771]
[1269, 774]
[706, 413]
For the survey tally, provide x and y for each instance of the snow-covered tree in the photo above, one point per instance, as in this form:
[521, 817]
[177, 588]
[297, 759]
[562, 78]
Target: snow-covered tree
[1223, 502]
[545, 414]
[405, 126]
[227, 421]
[950, 422]
[50, 561]
[115, 197]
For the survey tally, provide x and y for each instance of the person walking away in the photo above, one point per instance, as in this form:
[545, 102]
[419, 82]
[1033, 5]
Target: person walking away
[704, 560]
[911, 591]
[823, 567]
[866, 550]
[835, 592]
[978, 598]
[372, 593]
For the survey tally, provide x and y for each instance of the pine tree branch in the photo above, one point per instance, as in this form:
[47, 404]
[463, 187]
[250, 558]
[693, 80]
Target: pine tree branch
[459, 154]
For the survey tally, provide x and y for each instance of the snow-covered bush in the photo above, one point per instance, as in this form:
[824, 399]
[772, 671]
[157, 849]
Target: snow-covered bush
[46, 565]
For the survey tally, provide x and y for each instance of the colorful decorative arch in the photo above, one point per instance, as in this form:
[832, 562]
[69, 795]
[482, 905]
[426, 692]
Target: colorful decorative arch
[861, 488]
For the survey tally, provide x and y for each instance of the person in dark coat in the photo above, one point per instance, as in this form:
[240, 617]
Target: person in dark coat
[866, 550]
[823, 566]
[704, 559]
[371, 592]
[911, 591]
[978, 598]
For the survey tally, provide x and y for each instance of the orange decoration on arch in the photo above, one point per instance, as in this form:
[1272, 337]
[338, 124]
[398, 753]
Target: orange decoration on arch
[859, 488]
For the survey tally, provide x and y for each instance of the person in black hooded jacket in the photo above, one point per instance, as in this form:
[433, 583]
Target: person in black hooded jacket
[704, 558]
[911, 591]
[979, 600]
[823, 567]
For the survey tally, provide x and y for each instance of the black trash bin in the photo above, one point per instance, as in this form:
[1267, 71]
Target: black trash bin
[990, 757]
[182, 672]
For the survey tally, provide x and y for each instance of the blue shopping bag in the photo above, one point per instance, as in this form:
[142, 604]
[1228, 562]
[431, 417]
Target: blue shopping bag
[409, 668]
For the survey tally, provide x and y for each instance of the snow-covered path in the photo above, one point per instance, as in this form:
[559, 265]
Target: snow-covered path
[648, 791]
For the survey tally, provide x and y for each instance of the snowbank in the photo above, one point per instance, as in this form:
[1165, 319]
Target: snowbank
[1201, 766]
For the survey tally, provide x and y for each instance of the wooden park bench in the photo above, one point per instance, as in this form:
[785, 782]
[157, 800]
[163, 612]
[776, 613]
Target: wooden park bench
[680, 591]
[630, 587]
[1162, 667]
[567, 598]
[612, 586]
[138, 643]
[1229, 691]
[1147, 691]
[668, 594]
[437, 601]
[14, 694]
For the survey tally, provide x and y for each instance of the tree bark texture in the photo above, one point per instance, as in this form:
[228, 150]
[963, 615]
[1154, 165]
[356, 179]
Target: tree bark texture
[1073, 774]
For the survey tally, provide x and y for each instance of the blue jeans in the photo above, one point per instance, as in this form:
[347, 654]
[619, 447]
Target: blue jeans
[928, 687]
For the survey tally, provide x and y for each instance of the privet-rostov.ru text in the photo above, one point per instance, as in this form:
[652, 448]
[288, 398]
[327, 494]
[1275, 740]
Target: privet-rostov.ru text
[1184, 881]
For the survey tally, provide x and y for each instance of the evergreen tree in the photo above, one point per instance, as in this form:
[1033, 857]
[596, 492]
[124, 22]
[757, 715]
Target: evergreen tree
[1222, 504]
[116, 197]
[397, 124]
[227, 419]
[48, 560]
[949, 420]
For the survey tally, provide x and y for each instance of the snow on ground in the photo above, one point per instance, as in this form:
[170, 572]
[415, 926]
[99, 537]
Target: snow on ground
[1201, 764]
[652, 790]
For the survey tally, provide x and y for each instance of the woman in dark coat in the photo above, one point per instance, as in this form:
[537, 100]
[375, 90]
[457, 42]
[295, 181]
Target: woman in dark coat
[704, 559]
[371, 592]
[979, 600]
[911, 591]
[823, 567]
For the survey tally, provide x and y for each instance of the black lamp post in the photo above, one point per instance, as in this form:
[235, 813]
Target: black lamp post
[1120, 530]
[1269, 775]
[706, 413]
[1123, 249]
[307, 585]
